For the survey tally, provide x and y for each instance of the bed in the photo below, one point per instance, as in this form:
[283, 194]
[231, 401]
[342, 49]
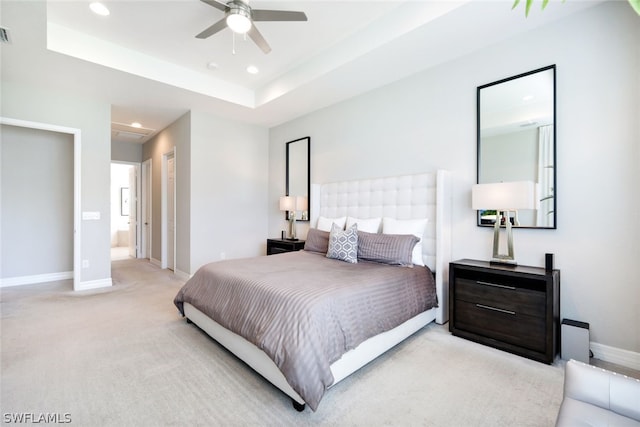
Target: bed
[293, 317]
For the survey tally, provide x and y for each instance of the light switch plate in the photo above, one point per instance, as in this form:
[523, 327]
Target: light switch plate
[90, 215]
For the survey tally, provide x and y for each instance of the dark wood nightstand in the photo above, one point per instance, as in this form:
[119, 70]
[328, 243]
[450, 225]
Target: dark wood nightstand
[278, 246]
[516, 309]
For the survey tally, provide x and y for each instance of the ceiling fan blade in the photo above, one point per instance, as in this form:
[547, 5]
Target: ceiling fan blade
[258, 39]
[277, 15]
[220, 25]
[216, 4]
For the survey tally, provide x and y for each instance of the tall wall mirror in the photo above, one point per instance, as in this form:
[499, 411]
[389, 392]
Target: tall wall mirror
[298, 174]
[517, 142]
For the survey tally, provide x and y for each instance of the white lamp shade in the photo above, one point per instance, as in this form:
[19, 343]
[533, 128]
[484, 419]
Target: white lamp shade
[287, 203]
[504, 196]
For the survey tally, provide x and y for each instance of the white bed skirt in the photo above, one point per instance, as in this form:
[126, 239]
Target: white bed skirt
[345, 366]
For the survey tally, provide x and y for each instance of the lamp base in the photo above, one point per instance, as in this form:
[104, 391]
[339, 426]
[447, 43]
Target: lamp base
[503, 262]
[508, 259]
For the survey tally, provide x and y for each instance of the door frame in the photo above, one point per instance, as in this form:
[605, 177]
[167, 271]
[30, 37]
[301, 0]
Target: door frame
[145, 209]
[164, 262]
[77, 178]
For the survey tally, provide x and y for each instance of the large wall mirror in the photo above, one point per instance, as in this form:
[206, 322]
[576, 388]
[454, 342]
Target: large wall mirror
[298, 173]
[517, 141]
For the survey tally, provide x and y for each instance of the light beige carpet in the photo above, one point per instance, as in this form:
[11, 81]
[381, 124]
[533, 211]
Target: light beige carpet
[123, 357]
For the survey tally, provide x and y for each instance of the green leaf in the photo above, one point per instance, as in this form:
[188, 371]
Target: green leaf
[526, 11]
[635, 4]
[515, 3]
[544, 3]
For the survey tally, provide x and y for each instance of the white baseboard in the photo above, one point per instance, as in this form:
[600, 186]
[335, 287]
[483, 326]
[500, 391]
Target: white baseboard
[627, 358]
[38, 278]
[94, 284]
[181, 275]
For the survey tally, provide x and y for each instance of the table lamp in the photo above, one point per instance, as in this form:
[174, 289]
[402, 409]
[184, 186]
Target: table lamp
[504, 197]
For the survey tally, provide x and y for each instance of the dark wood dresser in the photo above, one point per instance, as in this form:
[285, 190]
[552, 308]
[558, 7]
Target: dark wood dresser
[516, 309]
[278, 246]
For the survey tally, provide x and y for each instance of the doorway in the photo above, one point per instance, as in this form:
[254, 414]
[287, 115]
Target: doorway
[124, 210]
[76, 135]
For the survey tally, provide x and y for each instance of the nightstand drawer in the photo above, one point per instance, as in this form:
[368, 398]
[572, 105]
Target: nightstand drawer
[503, 280]
[500, 324]
[506, 297]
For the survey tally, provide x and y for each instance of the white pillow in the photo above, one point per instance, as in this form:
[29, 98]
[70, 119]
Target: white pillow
[369, 225]
[324, 224]
[407, 226]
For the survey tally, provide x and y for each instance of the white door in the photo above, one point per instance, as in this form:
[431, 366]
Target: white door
[133, 212]
[171, 197]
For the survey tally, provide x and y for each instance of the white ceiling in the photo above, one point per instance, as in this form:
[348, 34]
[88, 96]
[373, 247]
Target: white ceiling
[145, 61]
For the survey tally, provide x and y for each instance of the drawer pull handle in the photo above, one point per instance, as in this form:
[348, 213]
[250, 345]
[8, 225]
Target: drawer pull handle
[495, 285]
[513, 313]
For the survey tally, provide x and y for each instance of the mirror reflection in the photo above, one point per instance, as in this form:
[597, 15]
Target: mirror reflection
[298, 174]
[516, 142]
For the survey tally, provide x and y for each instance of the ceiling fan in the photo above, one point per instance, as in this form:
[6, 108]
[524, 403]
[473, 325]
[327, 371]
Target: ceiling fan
[239, 17]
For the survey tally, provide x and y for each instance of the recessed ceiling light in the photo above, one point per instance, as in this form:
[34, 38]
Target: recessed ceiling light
[252, 69]
[212, 65]
[527, 98]
[136, 125]
[99, 9]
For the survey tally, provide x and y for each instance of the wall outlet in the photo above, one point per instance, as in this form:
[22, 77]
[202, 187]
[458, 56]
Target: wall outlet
[85, 263]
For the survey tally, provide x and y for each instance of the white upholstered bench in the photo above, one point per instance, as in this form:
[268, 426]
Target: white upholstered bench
[597, 397]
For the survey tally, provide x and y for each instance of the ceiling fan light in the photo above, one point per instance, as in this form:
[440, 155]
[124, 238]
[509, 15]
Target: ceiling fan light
[238, 22]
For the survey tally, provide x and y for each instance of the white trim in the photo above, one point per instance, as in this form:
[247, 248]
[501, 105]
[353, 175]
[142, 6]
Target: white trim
[38, 278]
[145, 204]
[619, 356]
[444, 202]
[181, 274]
[164, 250]
[155, 262]
[77, 181]
[94, 284]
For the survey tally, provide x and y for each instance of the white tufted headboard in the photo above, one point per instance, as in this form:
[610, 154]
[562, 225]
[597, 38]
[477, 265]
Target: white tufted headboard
[426, 195]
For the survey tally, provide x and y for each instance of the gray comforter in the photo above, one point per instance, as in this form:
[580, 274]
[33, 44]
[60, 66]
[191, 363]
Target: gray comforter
[305, 310]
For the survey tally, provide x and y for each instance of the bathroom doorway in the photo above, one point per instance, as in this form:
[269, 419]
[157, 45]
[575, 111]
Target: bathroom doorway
[124, 211]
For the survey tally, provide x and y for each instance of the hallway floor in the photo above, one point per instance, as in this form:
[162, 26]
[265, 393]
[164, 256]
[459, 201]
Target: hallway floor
[119, 252]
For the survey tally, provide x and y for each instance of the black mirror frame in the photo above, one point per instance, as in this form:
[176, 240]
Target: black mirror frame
[555, 123]
[308, 139]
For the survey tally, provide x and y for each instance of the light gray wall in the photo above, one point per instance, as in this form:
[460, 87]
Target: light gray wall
[229, 168]
[126, 152]
[427, 121]
[93, 119]
[175, 136]
[37, 202]
[221, 189]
